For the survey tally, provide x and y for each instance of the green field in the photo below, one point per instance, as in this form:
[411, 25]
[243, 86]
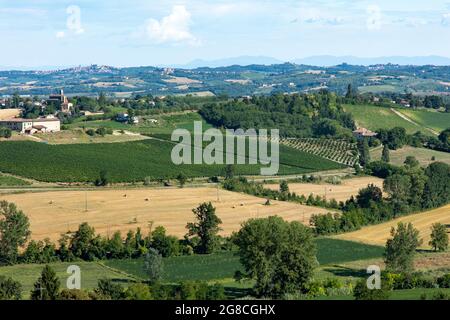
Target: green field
[166, 124]
[407, 294]
[223, 265]
[127, 162]
[331, 251]
[8, 181]
[373, 118]
[338, 258]
[438, 121]
[397, 157]
[91, 272]
[197, 267]
[379, 88]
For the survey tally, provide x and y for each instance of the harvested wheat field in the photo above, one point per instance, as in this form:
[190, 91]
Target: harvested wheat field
[340, 192]
[378, 234]
[56, 212]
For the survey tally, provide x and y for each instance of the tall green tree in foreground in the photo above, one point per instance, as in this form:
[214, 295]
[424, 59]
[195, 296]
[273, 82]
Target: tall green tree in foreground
[47, 286]
[437, 188]
[206, 227]
[153, 265]
[400, 249]
[10, 289]
[398, 187]
[279, 255]
[385, 157]
[439, 237]
[14, 232]
[364, 154]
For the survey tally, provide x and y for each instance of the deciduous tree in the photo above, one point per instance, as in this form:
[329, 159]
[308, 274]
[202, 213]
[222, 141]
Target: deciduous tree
[400, 249]
[206, 227]
[14, 232]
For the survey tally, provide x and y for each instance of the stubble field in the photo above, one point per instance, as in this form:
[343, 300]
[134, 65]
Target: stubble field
[340, 192]
[378, 234]
[56, 212]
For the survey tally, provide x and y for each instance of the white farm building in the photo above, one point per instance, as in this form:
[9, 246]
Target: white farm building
[30, 126]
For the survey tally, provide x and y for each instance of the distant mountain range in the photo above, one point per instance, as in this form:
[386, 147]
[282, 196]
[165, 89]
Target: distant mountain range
[241, 61]
[327, 61]
[321, 61]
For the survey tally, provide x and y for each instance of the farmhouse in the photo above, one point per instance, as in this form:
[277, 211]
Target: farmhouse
[124, 117]
[30, 126]
[361, 133]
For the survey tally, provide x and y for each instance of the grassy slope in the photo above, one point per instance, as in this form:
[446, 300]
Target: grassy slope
[336, 256]
[166, 124]
[27, 274]
[223, 265]
[397, 157]
[437, 121]
[374, 118]
[12, 181]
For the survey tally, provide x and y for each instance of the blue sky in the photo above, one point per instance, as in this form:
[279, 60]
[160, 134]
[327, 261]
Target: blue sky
[38, 33]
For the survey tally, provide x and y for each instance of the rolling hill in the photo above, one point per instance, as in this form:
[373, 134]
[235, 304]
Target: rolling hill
[373, 118]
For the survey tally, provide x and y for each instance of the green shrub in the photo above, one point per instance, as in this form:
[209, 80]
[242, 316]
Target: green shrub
[444, 281]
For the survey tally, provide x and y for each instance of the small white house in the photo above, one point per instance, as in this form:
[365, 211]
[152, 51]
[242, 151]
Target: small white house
[30, 126]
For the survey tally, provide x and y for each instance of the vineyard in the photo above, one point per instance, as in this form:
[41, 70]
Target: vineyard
[339, 151]
[129, 162]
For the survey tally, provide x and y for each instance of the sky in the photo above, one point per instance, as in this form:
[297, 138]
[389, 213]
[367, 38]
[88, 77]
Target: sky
[39, 33]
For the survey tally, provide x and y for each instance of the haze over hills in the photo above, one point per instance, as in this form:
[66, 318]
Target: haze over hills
[241, 60]
[234, 80]
[328, 60]
[320, 60]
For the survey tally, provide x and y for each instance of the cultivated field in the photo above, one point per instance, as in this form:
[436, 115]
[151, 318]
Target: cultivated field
[53, 213]
[9, 113]
[374, 118]
[79, 136]
[423, 155]
[339, 192]
[378, 234]
[437, 121]
[128, 161]
[335, 150]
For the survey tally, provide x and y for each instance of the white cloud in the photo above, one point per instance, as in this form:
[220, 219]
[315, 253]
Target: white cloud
[374, 20]
[445, 21]
[60, 34]
[173, 28]
[316, 16]
[411, 22]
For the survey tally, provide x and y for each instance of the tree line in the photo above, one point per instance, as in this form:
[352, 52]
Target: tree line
[410, 189]
[84, 244]
[296, 115]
